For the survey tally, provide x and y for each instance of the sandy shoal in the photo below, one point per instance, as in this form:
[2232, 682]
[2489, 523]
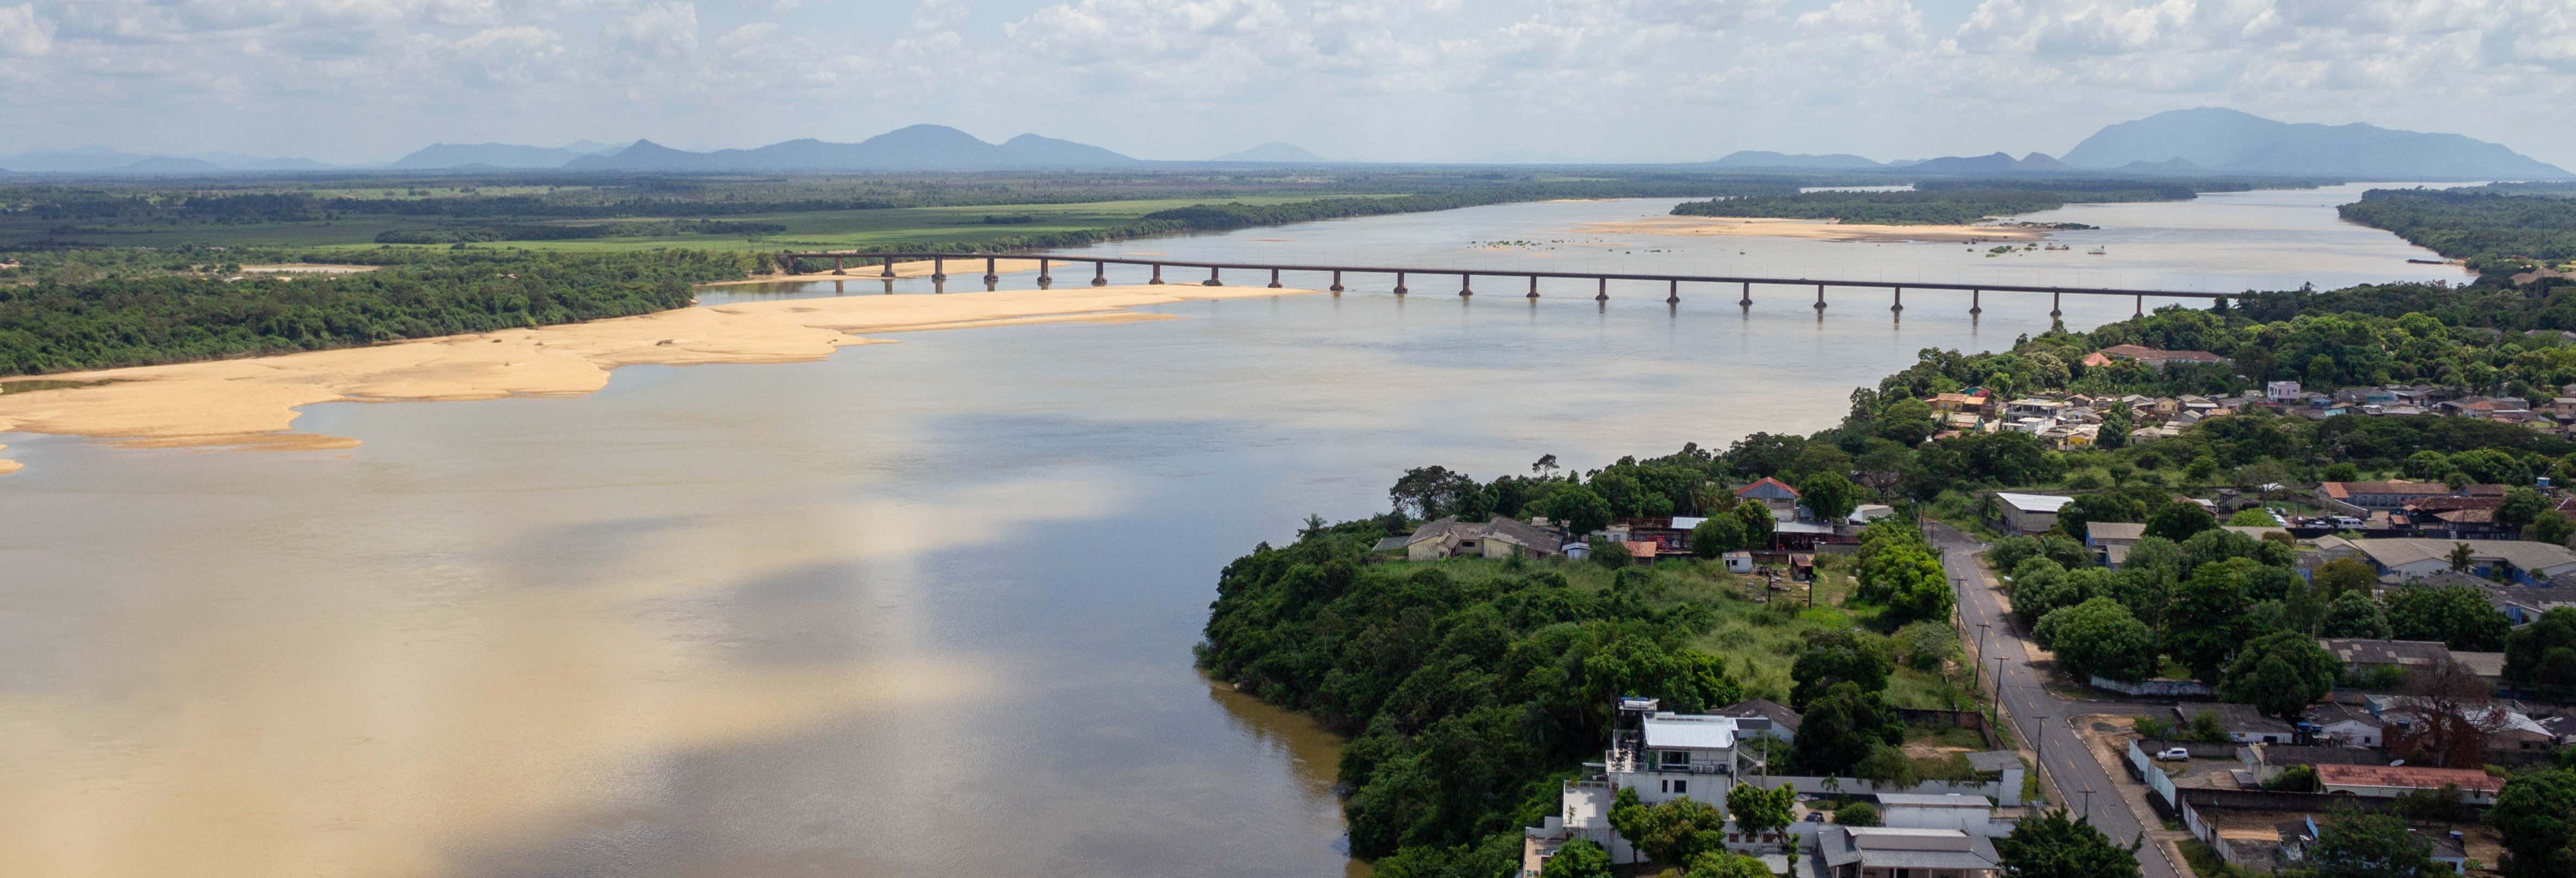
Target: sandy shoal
[972, 268]
[1819, 230]
[251, 402]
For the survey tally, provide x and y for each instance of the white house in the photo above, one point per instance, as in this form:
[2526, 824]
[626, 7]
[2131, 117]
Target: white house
[2347, 726]
[2031, 513]
[1660, 754]
[1892, 852]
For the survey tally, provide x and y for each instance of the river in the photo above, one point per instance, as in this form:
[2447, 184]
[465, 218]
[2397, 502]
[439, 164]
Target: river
[921, 608]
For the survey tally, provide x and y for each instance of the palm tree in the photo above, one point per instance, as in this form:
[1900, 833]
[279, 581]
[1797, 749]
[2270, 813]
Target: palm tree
[1314, 525]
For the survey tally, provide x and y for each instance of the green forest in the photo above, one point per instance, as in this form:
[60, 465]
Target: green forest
[1472, 688]
[1948, 202]
[2496, 229]
[81, 313]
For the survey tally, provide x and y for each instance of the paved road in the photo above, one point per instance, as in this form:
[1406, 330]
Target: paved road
[2069, 767]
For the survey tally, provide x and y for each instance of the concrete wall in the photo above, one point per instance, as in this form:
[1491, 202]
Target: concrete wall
[2160, 688]
[2006, 792]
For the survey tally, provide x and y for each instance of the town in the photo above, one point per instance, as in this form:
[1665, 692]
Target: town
[2412, 650]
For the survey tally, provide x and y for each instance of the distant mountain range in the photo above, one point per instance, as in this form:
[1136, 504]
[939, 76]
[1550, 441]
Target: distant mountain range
[1275, 152]
[2210, 140]
[2230, 141]
[1765, 159]
[440, 156]
[2203, 141]
[914, 148]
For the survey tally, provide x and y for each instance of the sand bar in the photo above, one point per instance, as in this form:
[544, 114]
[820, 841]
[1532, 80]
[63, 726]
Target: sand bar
[250, 403]
[1819, 230]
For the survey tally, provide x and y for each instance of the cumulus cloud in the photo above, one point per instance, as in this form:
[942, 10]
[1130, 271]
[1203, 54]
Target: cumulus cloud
[24, 34]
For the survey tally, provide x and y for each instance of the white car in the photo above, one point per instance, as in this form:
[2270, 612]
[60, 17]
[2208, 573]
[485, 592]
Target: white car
[2174, 754]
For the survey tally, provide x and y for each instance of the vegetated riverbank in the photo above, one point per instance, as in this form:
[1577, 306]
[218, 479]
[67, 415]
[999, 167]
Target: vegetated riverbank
[1474, 687]
[2498, 230]
[1951, 202]
[251, 403]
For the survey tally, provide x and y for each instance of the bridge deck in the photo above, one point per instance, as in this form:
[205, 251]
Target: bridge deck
[1464, 273]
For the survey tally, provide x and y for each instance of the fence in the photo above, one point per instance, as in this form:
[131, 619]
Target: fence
[2158, 688]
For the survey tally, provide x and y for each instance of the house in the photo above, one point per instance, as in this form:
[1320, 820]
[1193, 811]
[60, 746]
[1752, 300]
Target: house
[1775, 495]
[2523, 604]
[1970, 814]
[2390, 781]
[2111, 540]
[2363, 657]
[2150, 356]
[1502, 537]
[2035, 408]
[2241, 722]
[1763, 716]
[2281, 391]
[1665, 755]
[2346, 726]
[2517, 734]
[2030, 513]
[1660, 754]
[1960, 403]
[2521, 561]
[1739, 562]
[2358, 498]
[1898, 852]
[1869, 512]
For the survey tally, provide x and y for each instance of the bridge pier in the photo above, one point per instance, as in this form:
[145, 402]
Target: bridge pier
[1337, 281]
[889, 268]
[1158, 274]
[991, 275]
[1900, 300]
[836, 265]
[938, 269]
[1673, 295]
[1747, 300]
[1274, 278]
[1465, 289]
[1604, 294]
[2055, 300]
[1399, 283]
[1044, 278]
[1099, 273]
[1212, 281]
[1974, 308]
[1533, 293]
[2140, 305]
[1820, 299]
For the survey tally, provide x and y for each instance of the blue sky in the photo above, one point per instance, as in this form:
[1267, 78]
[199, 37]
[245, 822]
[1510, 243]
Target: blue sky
[1404, 80]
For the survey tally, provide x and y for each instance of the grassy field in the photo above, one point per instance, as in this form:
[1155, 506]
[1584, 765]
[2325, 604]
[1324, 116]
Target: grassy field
[836, 229]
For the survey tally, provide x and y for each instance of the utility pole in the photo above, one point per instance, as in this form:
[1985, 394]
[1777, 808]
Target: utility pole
[2088, 804]
[1982, 628]
[2039, 740]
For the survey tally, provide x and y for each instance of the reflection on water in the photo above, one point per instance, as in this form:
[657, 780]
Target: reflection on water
[920, 608]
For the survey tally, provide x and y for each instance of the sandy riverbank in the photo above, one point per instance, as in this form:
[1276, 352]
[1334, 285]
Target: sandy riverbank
[958, 269]
[251, 403]
[1820, 230]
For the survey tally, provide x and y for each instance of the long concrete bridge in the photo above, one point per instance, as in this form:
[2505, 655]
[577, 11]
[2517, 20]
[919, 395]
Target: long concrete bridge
[844, 260]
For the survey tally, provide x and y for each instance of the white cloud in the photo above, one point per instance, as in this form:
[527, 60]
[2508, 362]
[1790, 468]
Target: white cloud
[23, 33]
[1395, 79]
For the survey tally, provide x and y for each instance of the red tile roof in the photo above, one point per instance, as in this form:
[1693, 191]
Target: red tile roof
[1767, 480]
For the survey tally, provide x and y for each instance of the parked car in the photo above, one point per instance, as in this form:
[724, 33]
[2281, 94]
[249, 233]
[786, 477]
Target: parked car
[2174, 754]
